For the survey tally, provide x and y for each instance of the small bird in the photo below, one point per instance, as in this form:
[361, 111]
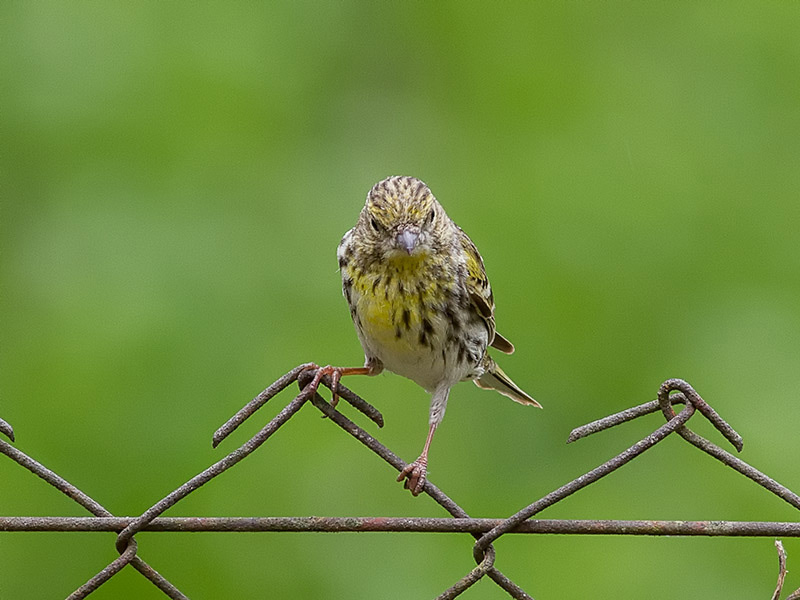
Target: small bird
[420, 301]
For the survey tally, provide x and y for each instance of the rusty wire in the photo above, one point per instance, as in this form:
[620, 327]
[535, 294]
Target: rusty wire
[795, 595]
[97, 509]
[407, 525]
[485, 531]
[6, 430]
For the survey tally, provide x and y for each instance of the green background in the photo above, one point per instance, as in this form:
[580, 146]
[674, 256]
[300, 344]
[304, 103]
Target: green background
[176, 178]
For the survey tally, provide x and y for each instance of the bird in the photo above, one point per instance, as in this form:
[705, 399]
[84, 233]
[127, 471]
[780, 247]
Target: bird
[421, 303]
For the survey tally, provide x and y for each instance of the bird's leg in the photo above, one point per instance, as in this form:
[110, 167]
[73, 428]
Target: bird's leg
[336, 373]
[415, 472]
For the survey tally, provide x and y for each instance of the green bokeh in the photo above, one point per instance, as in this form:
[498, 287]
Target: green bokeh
[176, 178]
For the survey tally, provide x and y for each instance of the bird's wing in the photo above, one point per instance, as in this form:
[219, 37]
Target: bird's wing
[480, 293]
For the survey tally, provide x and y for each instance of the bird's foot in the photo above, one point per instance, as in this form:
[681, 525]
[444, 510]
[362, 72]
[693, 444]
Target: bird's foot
[414, 475]
[335, 373]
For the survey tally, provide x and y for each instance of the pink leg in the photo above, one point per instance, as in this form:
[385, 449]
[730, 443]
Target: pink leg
[416, 471]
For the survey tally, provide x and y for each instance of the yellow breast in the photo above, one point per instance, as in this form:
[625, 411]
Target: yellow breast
[396, 304]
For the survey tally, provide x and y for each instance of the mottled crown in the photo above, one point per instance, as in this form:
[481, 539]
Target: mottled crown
[400, 199]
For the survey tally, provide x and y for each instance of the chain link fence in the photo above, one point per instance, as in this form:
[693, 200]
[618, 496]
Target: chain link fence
[485, 531]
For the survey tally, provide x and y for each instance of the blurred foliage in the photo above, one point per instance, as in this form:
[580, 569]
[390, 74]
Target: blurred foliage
[176, 178]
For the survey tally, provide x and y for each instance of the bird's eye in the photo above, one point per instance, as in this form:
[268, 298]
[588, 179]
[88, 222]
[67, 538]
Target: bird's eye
[374, 223]
[430, 217]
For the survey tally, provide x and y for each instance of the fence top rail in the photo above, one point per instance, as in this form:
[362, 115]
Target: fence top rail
[408, 525]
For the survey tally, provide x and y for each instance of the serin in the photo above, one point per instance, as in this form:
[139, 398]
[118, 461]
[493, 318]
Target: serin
[420, 301]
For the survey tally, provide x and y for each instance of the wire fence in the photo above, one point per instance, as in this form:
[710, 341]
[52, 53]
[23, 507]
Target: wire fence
[485, 531]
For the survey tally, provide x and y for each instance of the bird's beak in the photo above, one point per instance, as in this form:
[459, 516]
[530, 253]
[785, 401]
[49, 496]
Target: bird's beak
[407, 240]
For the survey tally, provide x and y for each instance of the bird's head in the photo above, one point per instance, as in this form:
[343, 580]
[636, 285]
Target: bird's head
[402, 218]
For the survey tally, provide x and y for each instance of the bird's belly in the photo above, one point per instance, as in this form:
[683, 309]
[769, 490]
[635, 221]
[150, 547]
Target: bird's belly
[392, 333]
[415, 340]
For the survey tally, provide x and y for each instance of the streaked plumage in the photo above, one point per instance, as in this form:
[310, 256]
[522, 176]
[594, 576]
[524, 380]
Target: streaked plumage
[420, 300]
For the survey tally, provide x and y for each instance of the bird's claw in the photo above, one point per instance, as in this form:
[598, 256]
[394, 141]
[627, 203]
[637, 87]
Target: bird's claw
[414, 475]
[335, 374]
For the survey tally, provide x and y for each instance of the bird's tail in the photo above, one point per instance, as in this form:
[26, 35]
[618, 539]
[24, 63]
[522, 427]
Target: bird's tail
[494, 378]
